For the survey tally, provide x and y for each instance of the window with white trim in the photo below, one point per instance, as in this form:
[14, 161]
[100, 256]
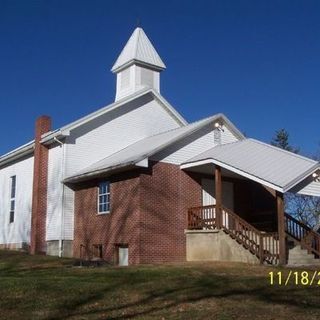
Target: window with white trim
[104, 197]
[12, 198]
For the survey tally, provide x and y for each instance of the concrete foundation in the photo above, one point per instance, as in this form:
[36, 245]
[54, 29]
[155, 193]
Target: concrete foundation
[216, 245]
[300, 257]
[53, 248]
[23, 246]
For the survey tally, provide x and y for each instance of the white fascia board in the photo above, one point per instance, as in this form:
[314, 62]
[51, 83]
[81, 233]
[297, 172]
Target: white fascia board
[144, 163]
[65, 131]
[232, 169]
[300, 178]
[231, 126]
[17, 153]
[139, 63]
[172, 111]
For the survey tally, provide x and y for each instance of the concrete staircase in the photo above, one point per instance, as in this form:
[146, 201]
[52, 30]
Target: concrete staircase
[300, 257]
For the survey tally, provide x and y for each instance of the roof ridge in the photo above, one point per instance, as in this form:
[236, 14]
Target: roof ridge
[137, 42]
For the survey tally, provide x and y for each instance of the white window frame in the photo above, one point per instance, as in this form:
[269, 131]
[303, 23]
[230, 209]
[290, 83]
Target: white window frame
[13, 193]
[105, 194]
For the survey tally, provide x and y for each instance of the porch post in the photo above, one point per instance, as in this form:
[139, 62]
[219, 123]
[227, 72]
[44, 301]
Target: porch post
[281, 229]
[218, 195]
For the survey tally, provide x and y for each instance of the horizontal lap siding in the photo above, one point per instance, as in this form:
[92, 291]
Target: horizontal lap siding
[193, 145]
[108, 134]
[19, 231]
[113, 132]
[312, 189]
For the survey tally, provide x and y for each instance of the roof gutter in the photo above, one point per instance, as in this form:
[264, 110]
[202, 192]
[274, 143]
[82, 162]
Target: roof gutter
[98, 173]
[54, 136]
[17, 154]
[301, 177]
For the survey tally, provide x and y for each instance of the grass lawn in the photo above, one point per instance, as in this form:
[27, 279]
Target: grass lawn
[39, 287]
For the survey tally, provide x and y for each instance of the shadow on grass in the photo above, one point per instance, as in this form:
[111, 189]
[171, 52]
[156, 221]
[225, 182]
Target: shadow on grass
[44, 288]
[217, 288]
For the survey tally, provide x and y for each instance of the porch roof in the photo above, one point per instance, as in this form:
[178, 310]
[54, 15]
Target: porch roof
[260, 162]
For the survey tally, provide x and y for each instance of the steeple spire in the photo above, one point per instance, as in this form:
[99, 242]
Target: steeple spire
[138, 65]
[138, 50]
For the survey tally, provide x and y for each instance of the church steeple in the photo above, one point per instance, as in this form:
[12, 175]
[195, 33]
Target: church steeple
[137, 66]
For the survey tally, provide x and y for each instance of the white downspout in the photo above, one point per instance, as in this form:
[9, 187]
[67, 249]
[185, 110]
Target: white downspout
[62, 202]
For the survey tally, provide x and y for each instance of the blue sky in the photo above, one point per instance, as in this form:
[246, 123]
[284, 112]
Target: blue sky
[258, 62]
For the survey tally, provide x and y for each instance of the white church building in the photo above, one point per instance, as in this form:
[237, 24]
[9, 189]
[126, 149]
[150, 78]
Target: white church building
[134, 183]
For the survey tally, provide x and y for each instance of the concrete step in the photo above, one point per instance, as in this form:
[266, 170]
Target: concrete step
[299, 256]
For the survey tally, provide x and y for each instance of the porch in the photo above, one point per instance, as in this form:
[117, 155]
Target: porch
[220, 215]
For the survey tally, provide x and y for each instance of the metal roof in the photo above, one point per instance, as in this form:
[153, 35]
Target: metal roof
[259, 161]
[138, 49]
[141, 150]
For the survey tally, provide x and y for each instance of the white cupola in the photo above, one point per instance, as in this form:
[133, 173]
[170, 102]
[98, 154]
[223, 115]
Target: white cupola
[138, 66]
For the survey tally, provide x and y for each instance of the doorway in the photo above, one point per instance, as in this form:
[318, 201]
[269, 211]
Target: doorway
[123, 255]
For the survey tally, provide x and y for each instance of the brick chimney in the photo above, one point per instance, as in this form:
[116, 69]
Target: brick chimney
[40, 188]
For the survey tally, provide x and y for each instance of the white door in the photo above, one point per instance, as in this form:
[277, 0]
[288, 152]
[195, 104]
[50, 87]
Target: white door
[123, 256]
[208, 195]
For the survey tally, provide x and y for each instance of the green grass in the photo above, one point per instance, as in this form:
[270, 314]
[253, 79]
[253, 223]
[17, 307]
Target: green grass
[39, 287]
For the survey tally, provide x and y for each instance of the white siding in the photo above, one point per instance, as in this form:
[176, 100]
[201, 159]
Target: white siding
[312, 189]
[227, 136]
[193, 145]
[108, 134]
[55, 190]
[19, 231]
[113, 132]
[68, 226]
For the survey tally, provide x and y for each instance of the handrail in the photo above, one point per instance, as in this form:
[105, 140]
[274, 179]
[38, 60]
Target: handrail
[308, 238]
[262, 244]
[202, 217]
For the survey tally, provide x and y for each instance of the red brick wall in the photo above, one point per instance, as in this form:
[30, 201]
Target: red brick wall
[39, 194]
[119, 227]
[166, 194]
[148, 213]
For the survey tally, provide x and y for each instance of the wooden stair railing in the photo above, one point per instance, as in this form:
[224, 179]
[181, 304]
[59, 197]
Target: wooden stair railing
[307, 238]
[202, 217]
[264, 245]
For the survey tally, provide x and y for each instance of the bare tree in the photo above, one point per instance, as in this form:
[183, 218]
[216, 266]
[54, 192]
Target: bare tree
[304, 208]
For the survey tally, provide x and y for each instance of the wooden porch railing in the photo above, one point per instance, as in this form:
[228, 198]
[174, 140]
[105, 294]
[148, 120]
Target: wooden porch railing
[202, 217]
[264, 245]
[307, 238]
